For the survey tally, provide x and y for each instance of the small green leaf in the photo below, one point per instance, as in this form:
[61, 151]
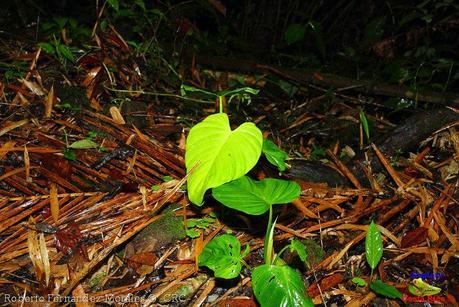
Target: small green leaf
[289, 88]
[141, 4]
[384, 289]
[275, 155]
[219, 153]
[69, 155]
[299, 248]
[155, 187]
[359, 281]
[92, 135]
[364, 121]
[421, 288]
[84, 144]
[279, 286]
[193, 233]
[200, 223]
[255, 197]
[223, 256]
[373, 245]
[167, 178]
[47, 47]
[295, 32]
[114, 4]
[66, 52]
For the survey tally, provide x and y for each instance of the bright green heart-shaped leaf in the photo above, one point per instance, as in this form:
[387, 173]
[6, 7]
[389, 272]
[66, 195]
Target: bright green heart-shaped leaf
[275, 155]
[384, 289]
[221, 155]
[373, 245]
[223, 256]
[255, 197]
[279, 286]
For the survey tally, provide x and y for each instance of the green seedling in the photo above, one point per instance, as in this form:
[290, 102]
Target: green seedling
[219, 158]
[86, 143]
[373, 253]
[193, 226]
[223, 256]
[242, 93]
[364, 123]
[275, 155]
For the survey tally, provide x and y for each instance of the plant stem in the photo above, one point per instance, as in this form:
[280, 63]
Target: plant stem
[158, 94]
[220, 100]
[268, 245]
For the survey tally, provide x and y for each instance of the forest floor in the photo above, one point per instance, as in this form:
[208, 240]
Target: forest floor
[93, 202]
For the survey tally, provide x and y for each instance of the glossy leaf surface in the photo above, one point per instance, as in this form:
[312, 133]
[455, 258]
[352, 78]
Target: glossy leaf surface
[255, 197]
[219, 154]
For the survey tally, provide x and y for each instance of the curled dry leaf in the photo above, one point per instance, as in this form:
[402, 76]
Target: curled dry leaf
[33, 87]
[116, 115]
[38, 254]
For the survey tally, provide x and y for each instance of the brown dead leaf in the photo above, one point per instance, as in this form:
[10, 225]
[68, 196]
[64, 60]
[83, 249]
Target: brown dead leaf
[34, 87]
[38, 254]
[57, 165]
[54, 202]
[143, 263]
[49, 103]
[11, 126]
[116, 115]
[238, 302]
[27, 164]
[414, 237]
[325, 284]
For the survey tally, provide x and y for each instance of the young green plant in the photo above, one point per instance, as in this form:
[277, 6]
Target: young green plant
[373, 254]
[220, 159]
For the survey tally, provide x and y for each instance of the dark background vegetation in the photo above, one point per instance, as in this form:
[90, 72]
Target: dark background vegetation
[414, 43]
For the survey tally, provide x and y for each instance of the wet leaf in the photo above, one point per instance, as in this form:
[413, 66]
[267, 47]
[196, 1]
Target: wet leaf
[275, 286]
[384, 289]
[373, 245]
[219, 153]
[255, 197]
[223, 256]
